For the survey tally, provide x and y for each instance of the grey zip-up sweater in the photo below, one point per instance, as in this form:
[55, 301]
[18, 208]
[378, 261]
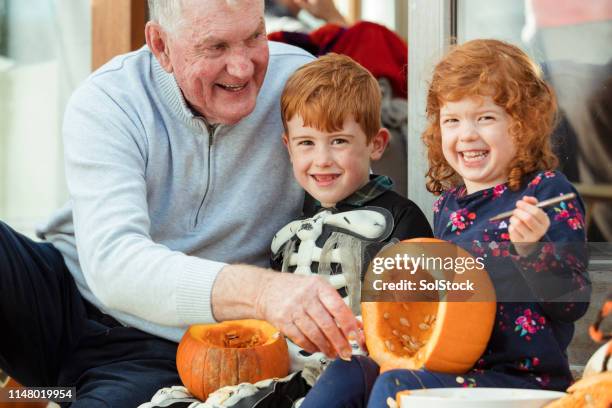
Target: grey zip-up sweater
[158, 205]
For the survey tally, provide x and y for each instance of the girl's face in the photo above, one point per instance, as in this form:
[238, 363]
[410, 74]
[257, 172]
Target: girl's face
[476, 142]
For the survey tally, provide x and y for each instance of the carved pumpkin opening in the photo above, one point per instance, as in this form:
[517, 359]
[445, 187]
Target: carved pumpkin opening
[440, 336]
[444, 336]
[404, 329]
[231, 336]
[212, 356]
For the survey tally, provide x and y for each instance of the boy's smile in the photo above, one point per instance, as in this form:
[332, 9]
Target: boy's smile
[476, 142]
[325, 179]
[331, 166]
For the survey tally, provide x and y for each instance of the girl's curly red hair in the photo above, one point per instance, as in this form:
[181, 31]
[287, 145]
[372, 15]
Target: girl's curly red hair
[504, 72]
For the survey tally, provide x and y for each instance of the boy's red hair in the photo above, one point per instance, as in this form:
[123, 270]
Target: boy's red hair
[329, 90]
[504, 72]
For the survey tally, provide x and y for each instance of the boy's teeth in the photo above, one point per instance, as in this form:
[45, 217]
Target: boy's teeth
[325, 177]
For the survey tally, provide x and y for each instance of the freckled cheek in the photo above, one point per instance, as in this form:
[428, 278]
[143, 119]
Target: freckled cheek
[448, 150]
[301, 165]
[345, 161]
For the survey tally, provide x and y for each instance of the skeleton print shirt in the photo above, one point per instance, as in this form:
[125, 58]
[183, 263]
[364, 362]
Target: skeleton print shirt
[339, 243]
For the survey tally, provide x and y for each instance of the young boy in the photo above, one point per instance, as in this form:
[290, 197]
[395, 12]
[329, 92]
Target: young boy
[330, 110]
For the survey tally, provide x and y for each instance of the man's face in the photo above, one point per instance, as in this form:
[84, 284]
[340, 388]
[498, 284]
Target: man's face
[331, 166]
[219, 56]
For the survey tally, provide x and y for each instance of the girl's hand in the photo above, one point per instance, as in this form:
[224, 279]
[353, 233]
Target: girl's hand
[528, 224]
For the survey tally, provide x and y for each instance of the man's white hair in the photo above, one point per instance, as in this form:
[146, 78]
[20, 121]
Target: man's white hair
[169, 13]
[165, 12]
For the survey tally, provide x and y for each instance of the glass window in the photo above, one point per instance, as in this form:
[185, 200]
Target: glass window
[44, 53]
[571, 41]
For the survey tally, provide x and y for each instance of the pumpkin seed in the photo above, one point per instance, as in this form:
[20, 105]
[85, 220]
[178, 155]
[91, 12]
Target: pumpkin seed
[424, 326]
[391, 403]
[404, 322]
[386, 315]
[389, 345]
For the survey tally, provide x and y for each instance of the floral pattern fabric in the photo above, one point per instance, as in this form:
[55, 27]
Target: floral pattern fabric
[529, 339]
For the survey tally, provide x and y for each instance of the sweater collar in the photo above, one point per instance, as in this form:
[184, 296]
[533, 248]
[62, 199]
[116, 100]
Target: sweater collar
[174, 97]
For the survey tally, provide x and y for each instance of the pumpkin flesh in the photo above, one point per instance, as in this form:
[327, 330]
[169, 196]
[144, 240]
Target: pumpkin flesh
[442, 336]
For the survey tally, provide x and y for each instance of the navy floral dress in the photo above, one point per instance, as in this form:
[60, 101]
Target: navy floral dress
[529, 339]
[527, 348]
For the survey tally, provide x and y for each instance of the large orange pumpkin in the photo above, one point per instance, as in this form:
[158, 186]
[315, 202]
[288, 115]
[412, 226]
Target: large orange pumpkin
[212, 356]
[443, 336]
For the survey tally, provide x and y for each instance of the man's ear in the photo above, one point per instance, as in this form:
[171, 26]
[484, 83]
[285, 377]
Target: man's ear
[379, 143]
[157, 40]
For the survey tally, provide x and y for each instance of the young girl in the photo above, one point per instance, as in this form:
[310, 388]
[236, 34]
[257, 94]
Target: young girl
[490, 120]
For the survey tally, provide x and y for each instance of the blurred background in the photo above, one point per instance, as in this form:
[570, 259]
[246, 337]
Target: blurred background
[47, 47]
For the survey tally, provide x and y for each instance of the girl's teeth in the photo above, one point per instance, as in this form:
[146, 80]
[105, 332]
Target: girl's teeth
[473, 156]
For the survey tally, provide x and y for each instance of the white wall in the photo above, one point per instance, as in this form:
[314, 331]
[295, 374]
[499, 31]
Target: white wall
[30, 126]
[379, 11]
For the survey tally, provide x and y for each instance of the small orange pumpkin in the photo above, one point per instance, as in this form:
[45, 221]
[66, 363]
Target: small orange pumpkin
[444, 336]
[593, 391]
[211, 356]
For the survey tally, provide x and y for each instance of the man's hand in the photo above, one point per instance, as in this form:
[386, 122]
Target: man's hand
[528, 224]
[310, 312]
[305, 308]
[323, 9]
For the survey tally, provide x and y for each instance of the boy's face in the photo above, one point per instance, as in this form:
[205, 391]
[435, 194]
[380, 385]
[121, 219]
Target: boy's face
[332, 166]
[476, 142]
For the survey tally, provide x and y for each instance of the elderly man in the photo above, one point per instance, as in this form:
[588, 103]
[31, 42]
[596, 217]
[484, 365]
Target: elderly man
[178, 180]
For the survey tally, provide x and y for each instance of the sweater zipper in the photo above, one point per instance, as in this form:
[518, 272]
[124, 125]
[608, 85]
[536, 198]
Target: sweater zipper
[211, 134]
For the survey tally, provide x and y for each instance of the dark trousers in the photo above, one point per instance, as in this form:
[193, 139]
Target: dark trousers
[356, 383]
[50, 336]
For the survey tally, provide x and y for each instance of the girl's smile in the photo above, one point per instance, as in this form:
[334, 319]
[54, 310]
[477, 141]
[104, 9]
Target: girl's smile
[474, 157]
